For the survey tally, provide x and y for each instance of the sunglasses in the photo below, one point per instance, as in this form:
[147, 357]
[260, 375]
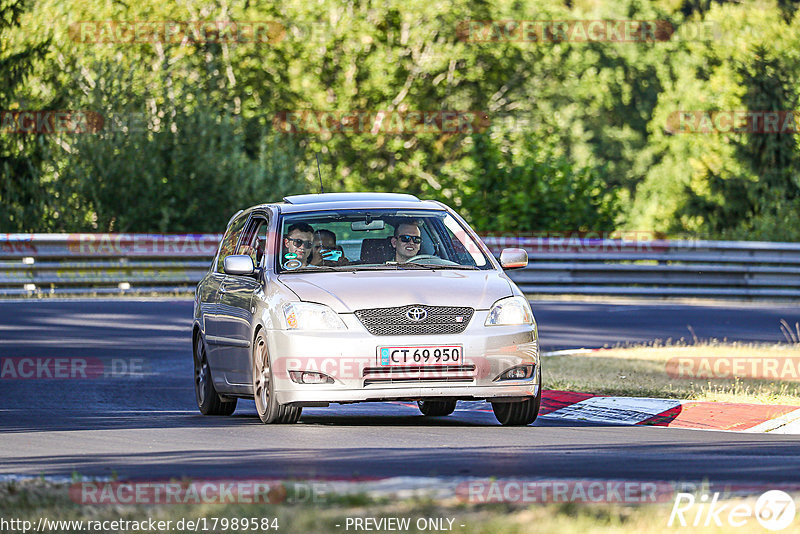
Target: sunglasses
[301, 243]
[406, 238]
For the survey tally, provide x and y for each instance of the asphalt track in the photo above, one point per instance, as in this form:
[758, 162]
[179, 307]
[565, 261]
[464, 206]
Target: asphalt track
[147, 426]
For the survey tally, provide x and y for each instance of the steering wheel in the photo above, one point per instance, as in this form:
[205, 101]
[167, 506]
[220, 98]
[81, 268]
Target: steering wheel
[422, 257]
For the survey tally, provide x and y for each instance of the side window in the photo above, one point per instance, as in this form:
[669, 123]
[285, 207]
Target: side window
[229, 241]
[254, 241]
[263, 233]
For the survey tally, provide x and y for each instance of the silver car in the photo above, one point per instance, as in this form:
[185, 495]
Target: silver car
[354, 297]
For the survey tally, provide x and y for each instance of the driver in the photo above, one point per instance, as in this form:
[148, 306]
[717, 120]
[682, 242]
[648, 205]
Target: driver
[406, 241]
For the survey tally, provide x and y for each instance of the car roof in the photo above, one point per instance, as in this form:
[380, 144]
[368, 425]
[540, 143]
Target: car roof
[347, 197]
[343, 201]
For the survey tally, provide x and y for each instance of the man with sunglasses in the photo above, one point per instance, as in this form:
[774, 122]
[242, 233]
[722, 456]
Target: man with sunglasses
[298, 243]
[406, 241]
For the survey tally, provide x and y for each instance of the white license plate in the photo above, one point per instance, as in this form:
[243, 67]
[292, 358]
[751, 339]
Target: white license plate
[421, 355]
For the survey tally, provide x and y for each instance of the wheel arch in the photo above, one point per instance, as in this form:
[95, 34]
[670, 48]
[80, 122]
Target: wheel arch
[196, 331]
[258, 329]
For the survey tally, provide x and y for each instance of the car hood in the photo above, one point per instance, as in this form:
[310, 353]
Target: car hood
[346, 292]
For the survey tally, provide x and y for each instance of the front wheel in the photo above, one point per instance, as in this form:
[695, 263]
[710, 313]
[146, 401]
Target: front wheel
[267, 406]
[436, 407]
[519, 413]
[208, 400]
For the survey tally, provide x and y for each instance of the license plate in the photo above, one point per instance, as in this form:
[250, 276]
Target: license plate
[421, 355]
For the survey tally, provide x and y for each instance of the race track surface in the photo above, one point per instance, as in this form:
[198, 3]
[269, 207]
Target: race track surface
[148, 426]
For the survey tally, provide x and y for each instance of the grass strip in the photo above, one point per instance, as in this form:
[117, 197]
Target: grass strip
[31, 500]
[723, 372]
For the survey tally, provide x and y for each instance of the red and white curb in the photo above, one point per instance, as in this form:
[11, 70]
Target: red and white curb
[726, 416]
[671, 413]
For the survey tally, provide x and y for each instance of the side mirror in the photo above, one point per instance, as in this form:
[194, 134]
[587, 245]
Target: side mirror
[241, 265]
[513, 258]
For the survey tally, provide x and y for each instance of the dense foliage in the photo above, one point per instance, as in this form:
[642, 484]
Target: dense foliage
[577, 137]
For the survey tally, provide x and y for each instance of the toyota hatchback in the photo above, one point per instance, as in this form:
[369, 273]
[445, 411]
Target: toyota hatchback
[354, 297]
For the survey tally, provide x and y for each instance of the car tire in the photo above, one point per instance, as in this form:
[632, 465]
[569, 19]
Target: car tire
[519, 413]
[267, 406]
[208, 400]
[436, 408]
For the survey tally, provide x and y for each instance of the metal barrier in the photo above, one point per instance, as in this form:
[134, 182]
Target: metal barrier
[659, 268]
[42, 264]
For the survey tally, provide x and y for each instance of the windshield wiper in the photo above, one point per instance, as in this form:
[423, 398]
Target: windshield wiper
[312, 269]
[433, 267]
[411, 265]
[459, 267]
[377, 267]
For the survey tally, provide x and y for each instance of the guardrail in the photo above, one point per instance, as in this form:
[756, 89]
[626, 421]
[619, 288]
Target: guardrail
[44, 264]
[659, 268]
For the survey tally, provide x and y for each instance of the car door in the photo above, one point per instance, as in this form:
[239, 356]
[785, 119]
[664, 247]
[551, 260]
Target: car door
[214, 314]
[237, 306]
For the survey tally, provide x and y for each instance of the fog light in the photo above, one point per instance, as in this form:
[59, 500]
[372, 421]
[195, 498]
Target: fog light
[314, 378]
[309, 377]
[521, 372]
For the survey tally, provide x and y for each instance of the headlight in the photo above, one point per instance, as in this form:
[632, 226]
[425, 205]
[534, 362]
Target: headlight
[510, 311]
[307, 316]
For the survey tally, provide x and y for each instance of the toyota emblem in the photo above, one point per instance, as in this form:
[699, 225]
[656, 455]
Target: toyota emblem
[416, 314]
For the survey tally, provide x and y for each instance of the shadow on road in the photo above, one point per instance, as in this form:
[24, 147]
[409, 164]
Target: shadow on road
[719, 461]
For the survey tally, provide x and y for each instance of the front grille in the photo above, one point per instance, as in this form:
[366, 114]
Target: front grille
[393, 321]
[419, 374]
[418, 369]
[417, 380]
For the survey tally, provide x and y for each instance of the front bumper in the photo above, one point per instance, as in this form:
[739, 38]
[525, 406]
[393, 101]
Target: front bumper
[350, 358]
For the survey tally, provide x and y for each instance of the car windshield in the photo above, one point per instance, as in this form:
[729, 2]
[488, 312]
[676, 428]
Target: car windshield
[355, 240]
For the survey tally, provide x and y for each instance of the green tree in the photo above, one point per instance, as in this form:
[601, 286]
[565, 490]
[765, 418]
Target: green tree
[773, 201]
[23, 193]
[533, 190]
[725, 184]
[186, 174]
